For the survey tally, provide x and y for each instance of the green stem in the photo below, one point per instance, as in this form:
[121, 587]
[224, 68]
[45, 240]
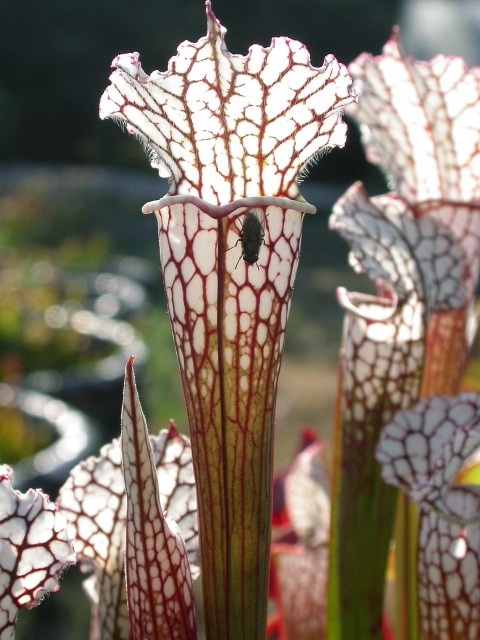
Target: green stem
[360, 540]
[406, 570]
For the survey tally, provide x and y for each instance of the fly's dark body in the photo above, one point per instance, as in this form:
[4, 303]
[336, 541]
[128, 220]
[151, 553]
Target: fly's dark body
[251, 237]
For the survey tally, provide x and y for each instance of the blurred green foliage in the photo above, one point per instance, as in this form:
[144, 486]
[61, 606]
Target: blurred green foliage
[21, 437]
[56, 227]
[38, 296]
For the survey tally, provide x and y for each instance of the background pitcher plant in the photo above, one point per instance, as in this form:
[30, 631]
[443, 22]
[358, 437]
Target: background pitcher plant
[382, 363]
[420, 122]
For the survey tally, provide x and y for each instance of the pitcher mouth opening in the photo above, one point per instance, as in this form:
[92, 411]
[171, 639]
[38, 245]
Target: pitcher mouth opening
[237, 206]
[379, 308]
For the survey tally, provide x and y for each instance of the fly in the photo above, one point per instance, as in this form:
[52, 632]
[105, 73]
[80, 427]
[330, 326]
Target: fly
[251, 237]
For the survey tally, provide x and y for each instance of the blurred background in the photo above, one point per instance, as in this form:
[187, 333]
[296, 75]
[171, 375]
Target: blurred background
[80, 284]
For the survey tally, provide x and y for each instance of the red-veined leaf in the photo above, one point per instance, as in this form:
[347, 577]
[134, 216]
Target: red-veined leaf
[36, 545]
[159, 583]
[94, 499]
